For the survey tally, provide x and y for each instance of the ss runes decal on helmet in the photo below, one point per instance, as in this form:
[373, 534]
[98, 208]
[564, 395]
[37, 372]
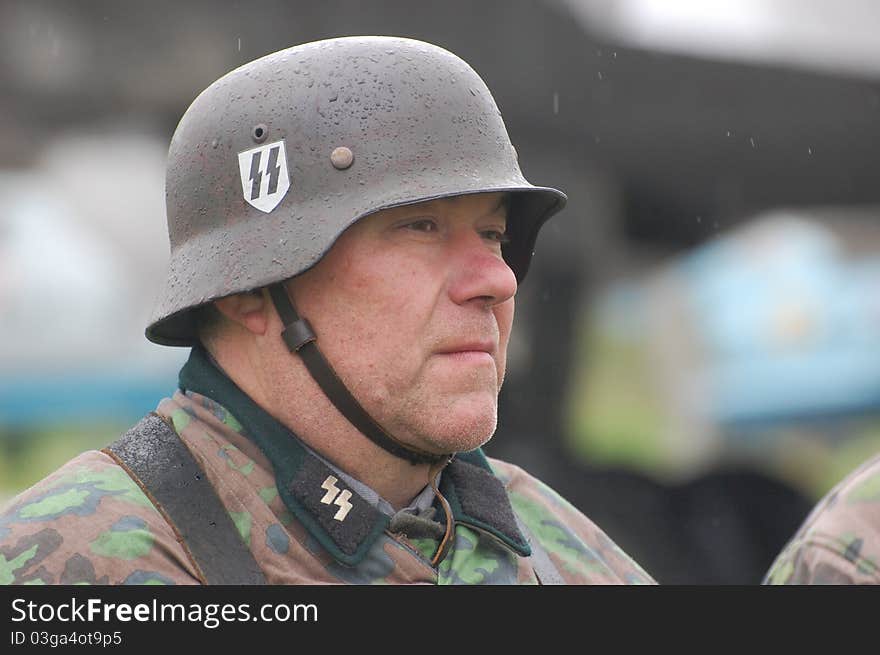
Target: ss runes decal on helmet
[264, 179]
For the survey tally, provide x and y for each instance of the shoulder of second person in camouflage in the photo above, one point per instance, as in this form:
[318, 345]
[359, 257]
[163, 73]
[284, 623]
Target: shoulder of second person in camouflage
[567, 534]
[822, 561]
[850, 512]
[87, 522]
[839, 542]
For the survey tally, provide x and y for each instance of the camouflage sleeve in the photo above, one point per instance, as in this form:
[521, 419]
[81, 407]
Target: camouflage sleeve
[839, 543]
[88, 523]
[579, 549]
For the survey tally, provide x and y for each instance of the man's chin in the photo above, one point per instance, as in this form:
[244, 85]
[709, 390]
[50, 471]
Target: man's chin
[460, 431]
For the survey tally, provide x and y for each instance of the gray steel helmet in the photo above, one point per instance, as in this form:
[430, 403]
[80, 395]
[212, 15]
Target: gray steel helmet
[273, 161]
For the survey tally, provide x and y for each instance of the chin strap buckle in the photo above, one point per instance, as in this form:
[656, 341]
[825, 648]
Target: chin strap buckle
[298, 334]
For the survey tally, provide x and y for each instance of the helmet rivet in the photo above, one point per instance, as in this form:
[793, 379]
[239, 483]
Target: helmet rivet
[259, 133]
[342, 157]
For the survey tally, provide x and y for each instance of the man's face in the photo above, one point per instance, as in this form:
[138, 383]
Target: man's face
[413, 307]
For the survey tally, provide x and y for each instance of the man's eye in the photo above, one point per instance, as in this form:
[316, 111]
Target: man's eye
[424, 225]
[496, 235]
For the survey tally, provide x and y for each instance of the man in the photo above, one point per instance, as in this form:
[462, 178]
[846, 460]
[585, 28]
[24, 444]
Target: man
[839, 542]
[348, 226]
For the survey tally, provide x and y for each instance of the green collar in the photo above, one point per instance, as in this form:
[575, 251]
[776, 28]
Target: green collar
[340, 520]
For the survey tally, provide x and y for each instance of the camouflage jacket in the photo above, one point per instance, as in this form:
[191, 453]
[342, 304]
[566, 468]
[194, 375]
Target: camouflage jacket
[89, 522]
[839, 542]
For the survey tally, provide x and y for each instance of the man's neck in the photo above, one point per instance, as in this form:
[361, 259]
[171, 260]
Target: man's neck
[293, 398]
[323, 429]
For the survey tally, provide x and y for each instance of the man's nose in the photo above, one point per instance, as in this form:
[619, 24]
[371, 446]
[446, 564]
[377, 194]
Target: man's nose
[479, 273]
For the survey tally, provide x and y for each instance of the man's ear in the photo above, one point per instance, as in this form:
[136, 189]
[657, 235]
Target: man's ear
[249, 310]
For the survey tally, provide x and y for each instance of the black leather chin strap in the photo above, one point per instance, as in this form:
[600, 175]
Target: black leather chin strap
[301, 339]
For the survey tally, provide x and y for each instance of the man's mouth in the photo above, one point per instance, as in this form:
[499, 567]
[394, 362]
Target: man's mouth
[486, 346]
[469, 351]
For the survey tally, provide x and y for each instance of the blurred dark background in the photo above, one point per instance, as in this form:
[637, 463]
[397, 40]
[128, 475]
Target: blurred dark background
[695, 359]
